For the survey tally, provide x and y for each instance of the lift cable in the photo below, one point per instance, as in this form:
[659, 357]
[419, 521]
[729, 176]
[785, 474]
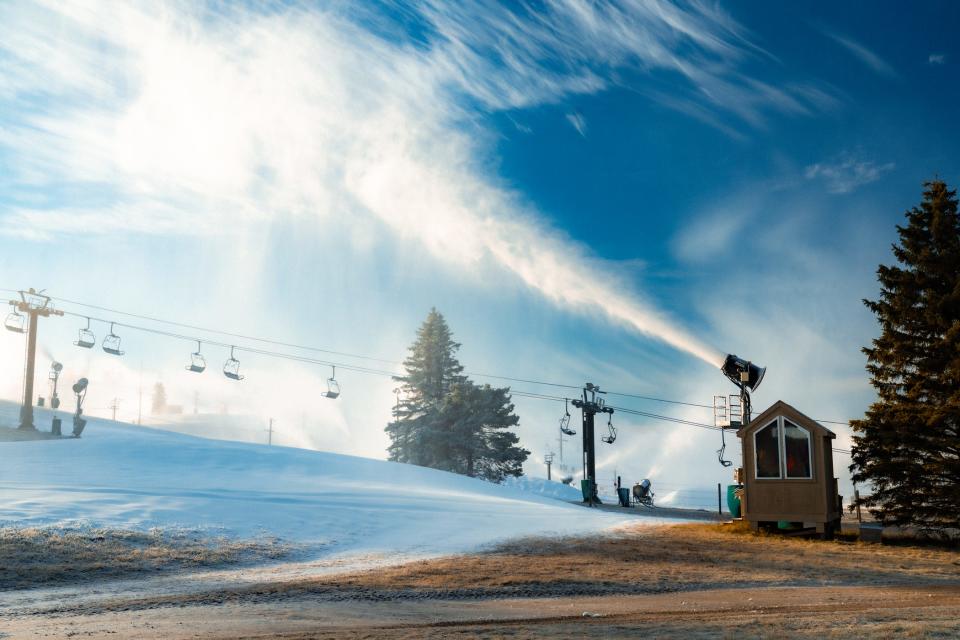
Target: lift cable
[646, 414]
[368, 370]
[253, 350]
[344, 366]
[340, 353]
[220, 332]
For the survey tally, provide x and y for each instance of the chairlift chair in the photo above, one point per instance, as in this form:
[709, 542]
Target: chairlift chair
[723, 447]
[85, 338]
[333, 387]
[611, 436]
[15, 321]
[111, 343]
[231, 368]
[565, 420]
[198, 363]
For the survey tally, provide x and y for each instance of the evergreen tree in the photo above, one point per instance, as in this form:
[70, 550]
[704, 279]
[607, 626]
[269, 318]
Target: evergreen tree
[481, 441]
[908, 444]
[159, 403]
[432, 369]
[447, 422]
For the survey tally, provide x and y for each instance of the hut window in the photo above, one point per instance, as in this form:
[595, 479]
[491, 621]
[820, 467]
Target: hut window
[796, 446]
[767, 446]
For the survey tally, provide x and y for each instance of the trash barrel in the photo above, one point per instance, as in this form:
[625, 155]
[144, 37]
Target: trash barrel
[623, 493]
[733, 501]
[586, 488]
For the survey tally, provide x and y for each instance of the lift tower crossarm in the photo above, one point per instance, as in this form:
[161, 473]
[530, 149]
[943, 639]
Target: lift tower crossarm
[36, 306]
[590, 405]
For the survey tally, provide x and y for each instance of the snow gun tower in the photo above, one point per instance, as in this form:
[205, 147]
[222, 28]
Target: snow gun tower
[747, 376]
[733, 412]
[591, 405]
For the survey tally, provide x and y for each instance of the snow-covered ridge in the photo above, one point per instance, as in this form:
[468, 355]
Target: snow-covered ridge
[125, 476]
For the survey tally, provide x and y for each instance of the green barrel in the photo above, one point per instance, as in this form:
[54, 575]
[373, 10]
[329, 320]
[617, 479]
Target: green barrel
[586, 488]
[733, 502]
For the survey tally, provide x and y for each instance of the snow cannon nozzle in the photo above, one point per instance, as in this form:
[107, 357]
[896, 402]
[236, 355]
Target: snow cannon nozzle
[742, 373]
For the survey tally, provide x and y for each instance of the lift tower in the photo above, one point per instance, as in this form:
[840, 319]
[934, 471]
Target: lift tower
[36, 306]
[590, 405]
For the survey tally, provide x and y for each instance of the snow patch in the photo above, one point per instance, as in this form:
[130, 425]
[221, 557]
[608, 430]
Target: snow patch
[543, 487]
[124, 476]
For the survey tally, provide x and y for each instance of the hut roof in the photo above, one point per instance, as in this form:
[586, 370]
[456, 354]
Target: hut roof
[782, 408]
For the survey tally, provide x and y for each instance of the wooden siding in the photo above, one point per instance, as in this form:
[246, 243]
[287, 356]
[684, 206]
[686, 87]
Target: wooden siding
[793, 499]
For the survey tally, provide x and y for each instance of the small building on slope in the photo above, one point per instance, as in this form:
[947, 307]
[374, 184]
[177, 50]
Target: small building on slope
[788, 471]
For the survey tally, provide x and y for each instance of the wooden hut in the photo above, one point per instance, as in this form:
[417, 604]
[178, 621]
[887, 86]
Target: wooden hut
[788, 471]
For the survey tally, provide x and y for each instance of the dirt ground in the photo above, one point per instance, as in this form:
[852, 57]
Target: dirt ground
[687, 581]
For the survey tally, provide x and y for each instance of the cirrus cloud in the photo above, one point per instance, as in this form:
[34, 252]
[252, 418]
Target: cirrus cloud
[192, 119]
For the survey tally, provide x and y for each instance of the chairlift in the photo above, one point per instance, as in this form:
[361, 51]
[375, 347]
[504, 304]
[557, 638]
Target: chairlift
[15, 321]
[333, 387]
[611, 436]
[565, 420]
[85, 338]
[111, 343]
[722, 450]
[231, 368]
[197, 362]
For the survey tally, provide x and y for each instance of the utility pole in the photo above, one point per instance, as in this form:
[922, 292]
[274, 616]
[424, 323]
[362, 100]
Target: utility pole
[270, 434]
[36, 306]
[560, 442]
[396, 416]
[590, 405]
[114, 407]
[548, 458]
[140, 396]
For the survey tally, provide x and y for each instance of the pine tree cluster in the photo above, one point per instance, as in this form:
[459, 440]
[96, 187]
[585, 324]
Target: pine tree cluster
[907, 447]
[447, 422]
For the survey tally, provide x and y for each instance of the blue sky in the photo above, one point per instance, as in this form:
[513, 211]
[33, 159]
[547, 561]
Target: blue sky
[614, 192]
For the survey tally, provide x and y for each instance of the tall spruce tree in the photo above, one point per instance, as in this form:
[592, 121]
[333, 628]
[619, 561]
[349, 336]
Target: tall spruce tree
[907, 447]
[432, 369]
[445, 421]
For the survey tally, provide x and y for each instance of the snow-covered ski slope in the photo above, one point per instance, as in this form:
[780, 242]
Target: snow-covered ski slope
[120, 475]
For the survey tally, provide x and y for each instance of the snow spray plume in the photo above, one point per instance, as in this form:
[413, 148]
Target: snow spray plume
[47, 354]
[381, 128]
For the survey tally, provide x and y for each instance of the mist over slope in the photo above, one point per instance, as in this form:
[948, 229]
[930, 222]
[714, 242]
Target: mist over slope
[125, 476]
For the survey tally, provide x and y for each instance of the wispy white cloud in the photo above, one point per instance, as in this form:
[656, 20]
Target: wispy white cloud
[578, 122]
[865, 55]
[937, 58]
[192, 121]
[521, 127]
[847, 173]
[711, 234]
